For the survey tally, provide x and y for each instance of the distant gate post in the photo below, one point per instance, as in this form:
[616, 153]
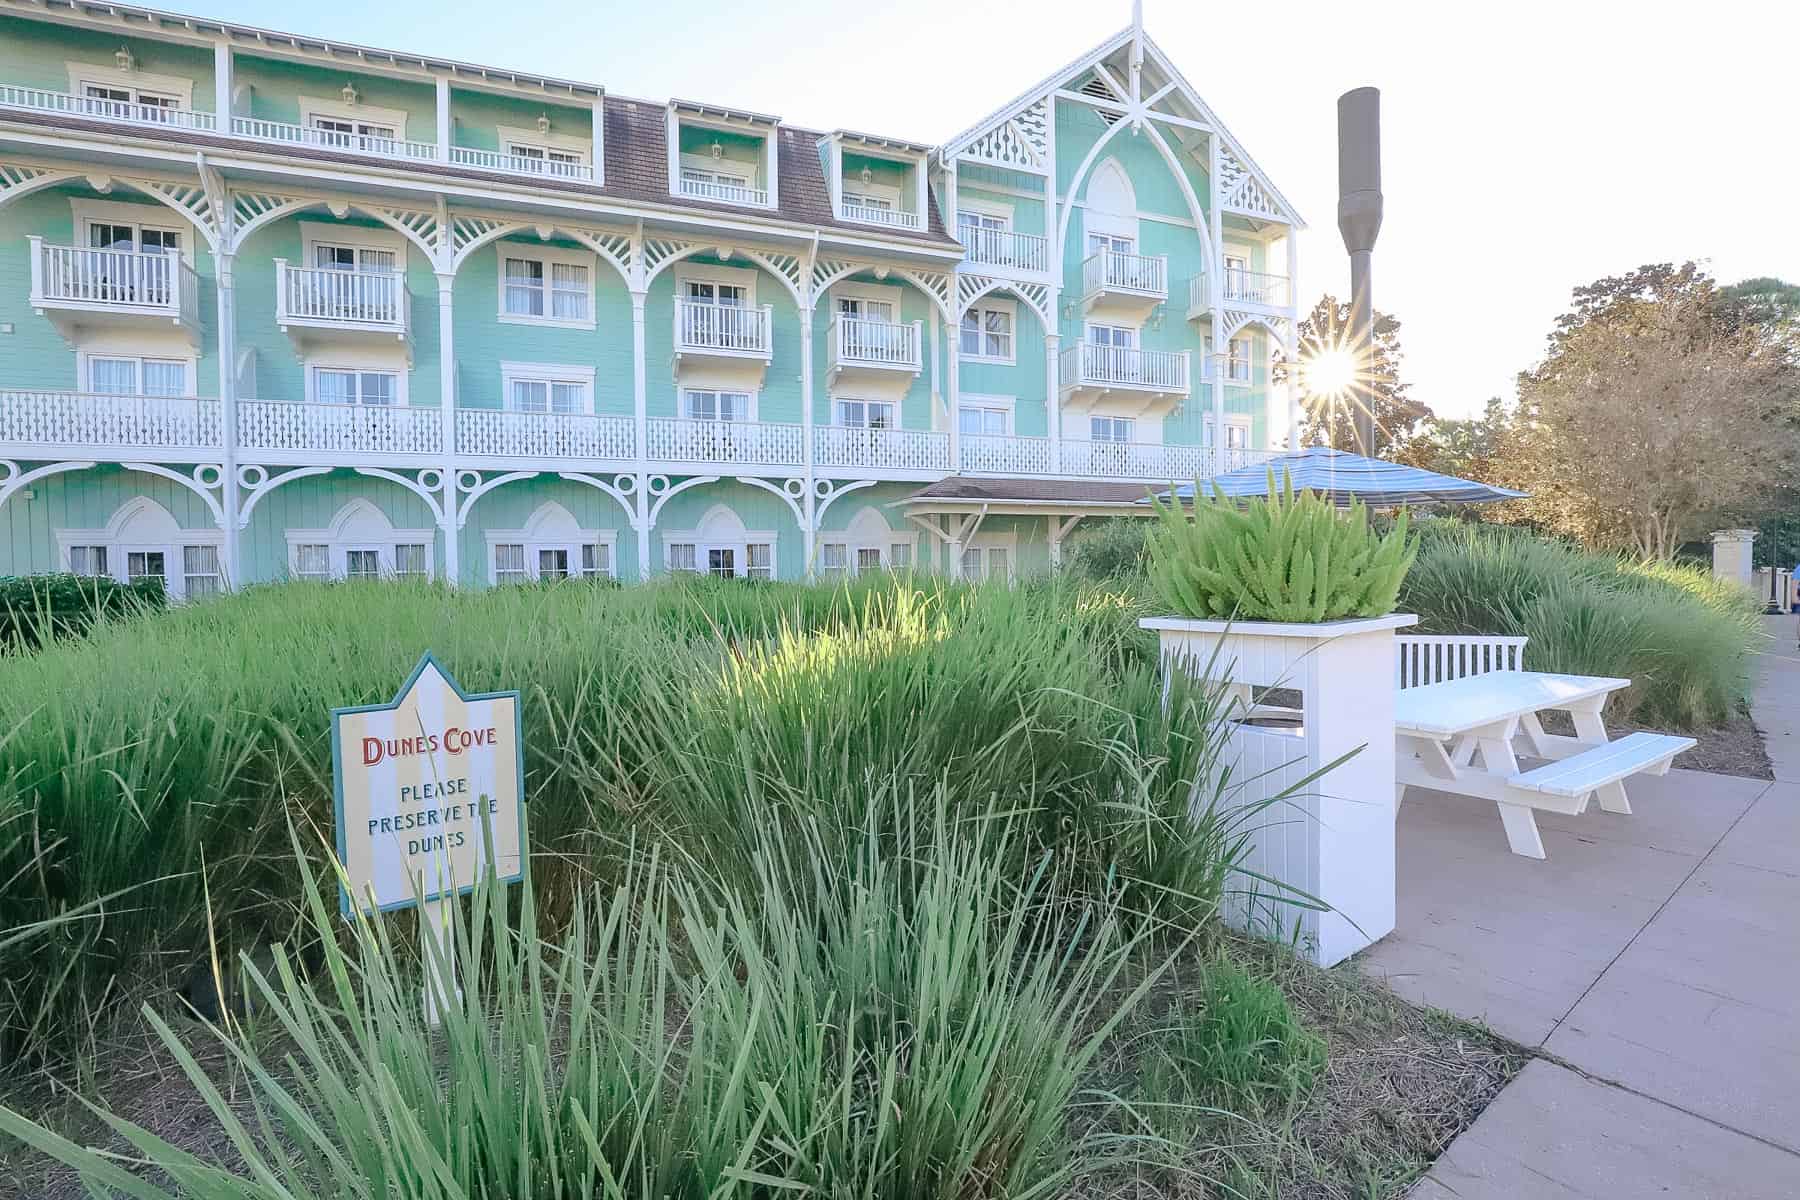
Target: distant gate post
[1731, 554]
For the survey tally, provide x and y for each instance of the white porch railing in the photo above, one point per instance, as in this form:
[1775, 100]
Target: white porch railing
[518, 164]
[747, 442]
[1004, 248]
[1004, 454]
[1091, 365]
[1131, 460]
[1421, 658]
[157, 281]
[870, 214]
[33, 418]
[351, 428]
[1110, 271]
[728, 193]
[1241, 287]
[721, 327]
[287, 134]
[895, 449]
[500, 434]
[120, 111]
[326, 296]
[862, 342]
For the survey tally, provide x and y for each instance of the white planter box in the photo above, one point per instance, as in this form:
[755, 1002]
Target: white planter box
[1332, 840]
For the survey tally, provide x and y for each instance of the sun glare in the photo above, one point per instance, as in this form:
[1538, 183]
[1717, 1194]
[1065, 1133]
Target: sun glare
[1330, 371]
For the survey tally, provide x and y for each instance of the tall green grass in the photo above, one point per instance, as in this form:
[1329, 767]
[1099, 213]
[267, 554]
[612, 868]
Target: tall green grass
[1684, 638]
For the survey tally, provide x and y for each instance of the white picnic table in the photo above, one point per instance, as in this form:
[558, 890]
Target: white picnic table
[1459, 736]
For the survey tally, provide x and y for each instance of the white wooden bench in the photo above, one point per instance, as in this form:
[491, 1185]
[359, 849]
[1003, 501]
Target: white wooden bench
[1421, 658]
[1567, 784]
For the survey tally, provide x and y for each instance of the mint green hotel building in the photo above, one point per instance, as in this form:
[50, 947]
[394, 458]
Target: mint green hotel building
[278, 307]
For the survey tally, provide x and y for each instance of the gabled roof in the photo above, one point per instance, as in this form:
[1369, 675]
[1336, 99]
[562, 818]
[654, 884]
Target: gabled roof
[1244, 186]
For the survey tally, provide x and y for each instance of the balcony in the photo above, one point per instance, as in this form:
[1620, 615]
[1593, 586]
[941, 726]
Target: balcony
[282, 133]
[872, 214]
[1157, 377]
[118, 112]
[895, 452]
[883, 354]
[309, 432]
[1006, 251]
[1245, 289]
[1123, 285]
[722, 331]
[736, 443]
[77, 287]
[516, 164]
[493, 433]
[998, 454]
[37, 424]
[722, 193]
[1132, 460]
[315, 306]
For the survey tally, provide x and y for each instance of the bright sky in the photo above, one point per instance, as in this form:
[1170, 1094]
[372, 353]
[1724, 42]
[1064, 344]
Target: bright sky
[1527, 148]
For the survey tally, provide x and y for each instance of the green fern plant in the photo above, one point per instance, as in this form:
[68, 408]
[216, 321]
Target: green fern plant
[1285, 557]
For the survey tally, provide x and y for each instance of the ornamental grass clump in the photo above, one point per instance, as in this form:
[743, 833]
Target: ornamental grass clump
[1288, 557]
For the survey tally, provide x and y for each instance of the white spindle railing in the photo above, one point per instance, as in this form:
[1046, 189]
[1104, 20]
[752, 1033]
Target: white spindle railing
[288, 134]
[519, 164]
[1131, 460]
[1004, 454]
[120, 111]
[728, 193]
[1421, 658]
[870, 214]
[500, 434]
[1119, 366]
[749, 442]
[1111, 271]
[723, 327]
[347, 297]
[897, 449]
[877, 343]
[351, 428]
[157, 281]
[34, 418]
[1256, 287]
[1004, 248]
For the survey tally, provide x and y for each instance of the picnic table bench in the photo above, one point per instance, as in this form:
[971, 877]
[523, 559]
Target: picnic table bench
[1459, 736]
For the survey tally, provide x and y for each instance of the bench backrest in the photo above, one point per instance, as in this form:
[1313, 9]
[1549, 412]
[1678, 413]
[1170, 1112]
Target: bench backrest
[1421, 658]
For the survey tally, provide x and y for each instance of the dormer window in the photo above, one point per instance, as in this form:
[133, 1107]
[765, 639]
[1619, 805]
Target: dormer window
[876, 181]
[722, 156]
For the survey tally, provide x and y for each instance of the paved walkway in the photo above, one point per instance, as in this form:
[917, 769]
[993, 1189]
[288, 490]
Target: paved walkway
[1654, 959]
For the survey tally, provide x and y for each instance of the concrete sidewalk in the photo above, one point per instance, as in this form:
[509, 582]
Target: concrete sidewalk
[1654, 959]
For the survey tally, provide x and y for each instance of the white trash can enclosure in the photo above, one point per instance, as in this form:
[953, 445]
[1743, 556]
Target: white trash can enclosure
[1331, 839]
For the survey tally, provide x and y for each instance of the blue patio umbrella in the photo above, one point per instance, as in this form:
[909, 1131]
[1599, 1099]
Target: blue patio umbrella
[1343, 477]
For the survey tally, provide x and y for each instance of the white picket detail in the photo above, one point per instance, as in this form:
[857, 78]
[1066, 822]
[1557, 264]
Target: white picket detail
[351, 428]
[869, 214]
[1003, 454]
[76, 276]
[735, 330]
[746, 442]
[286, 133]
[857, 340]
[1131, 460]
[33, 418]
[120, 111]
[1111, 271]
[494, 433]
[349, 297]
[519, 164]
[895, 449]
[1005, 248]
[1091, 365]
[729, 193]
[1421, 658]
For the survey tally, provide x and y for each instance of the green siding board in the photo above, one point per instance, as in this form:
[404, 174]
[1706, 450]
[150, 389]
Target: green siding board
[1023, 379]
[743, 149]
[275, 89]
[313, 503]
[476, 118]
[33, 54]
[915, 401]
[85, 500]
[512, 505]
[760, 512]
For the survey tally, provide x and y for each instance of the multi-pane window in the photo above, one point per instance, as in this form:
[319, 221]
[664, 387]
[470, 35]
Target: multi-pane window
[543, 158]
[716, 406]
[1109, 429]
[547, 395]
[987, 333]
[509, 563]
[721, 561]
[352, 134]
[88, 560]
[987, 562]
[200, 573]
[983, 420]
[985, 235]
[312, 561]
[715, 184]
[545, 288]
[596, 560]
[706, 291]
[336, 385]
[523, 562]
[760, 558]
[1237, 359]
[1106, 243]
[553, 563]
[755, 560]
[411, 561]
[362, 564]
[146, 564]
[353, 258]
[865, 414]
[116, 235]
[683, 556]
[116, 100]
[111, 375]
[900, 556]
[834, 560]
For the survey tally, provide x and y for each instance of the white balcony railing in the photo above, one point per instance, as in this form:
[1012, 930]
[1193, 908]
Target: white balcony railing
[1086, 364]
[857, 341]
[1004, 454]
[1241, 287]
[287, 134]
[518, 164]
[893, 449]
[156, 282]
[278, 425]
[322, 296]
[1130, 460]
[726, 193]
[33, 418]
[494, 433]
[746, 442]
[117, 111]
[871, 214]
[723, 328]
[1140, 274]
[1004, 248]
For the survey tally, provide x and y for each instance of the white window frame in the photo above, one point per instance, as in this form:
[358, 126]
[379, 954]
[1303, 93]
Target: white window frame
[1231, 358]
[81, 74]
[314, 234]
[360, 525]
[861, 535]
[1233, 421]
[750, 405]
[985, 542]
[580, 148]
[359, 113]
[703, 540]
[171, 543]
[342, 363]
[547, 255]
[547, 374]
[140, 217]
[84, 360]
[737, 277]
[1006, 405]
[982, 207]
[868, 292]
[1130, 424]
[553, 527]
[837, 412]
[981, 308]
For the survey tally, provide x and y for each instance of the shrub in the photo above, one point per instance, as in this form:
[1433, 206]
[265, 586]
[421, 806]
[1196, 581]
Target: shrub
[37, 609]
[1114, 549]
[1283, 557]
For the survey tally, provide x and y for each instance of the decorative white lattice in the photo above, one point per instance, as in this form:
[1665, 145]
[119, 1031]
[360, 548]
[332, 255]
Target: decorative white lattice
[1022, 140]
[609, 244]
[189, 199]
[1251, 197]
[1235, 321]
[1231, 170]
[659, 251]
[939, 285]
[250, 211]
[17, 177]
[970, 288]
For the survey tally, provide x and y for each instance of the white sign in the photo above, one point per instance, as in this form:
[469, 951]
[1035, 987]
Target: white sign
[417, 783]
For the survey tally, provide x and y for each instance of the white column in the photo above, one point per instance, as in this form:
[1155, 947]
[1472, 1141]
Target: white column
[1731, 554]
[953, 365]
[1295, 415]
[1221, 358]
[1053, 399]
[443, 118]
[446, 284]
[809, 523]
[640, 408]
[222, 84]
[599, 138]
[225, 267]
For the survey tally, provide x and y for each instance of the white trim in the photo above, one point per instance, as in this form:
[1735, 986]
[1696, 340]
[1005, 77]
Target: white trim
[1242, 421]
[553, 527]
[90, 350]
[547, 255]
[360, 237]
[1008, 405]
[562, 143]
[85, 212]
[984, 541]
[996, 303]
[720, 528]
[361, 525]
[699, 272]
[868, 530]
[514, 372]
[988, 208]
[365, 361]
[681, 396]
[158, 532]
[81, 73]
[337, 110]
[857, 290]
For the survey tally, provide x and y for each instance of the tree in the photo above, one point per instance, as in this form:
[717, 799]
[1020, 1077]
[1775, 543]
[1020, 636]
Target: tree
[1471, 448]
[1330, 420]
[1654, 417]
